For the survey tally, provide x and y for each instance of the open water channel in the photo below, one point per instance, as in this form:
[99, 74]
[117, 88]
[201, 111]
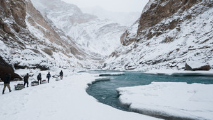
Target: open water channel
[105, 91]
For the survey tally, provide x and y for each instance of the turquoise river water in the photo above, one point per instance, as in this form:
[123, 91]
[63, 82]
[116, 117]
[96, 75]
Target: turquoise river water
[105, 91]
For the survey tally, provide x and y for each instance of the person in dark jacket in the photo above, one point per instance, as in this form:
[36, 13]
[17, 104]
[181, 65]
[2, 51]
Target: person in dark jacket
[26, 77]
[61, 74]
[48, 76]
[39, 78]
[7, 79]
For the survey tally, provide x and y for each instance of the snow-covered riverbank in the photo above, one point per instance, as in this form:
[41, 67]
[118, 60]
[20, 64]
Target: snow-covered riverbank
[193, 101]
[180, 72]
[59, 100]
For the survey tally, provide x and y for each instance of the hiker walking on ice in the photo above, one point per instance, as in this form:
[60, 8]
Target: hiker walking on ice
[48, 76]
[26, 77]
[39, 78]
[6, 80]
[61, 74]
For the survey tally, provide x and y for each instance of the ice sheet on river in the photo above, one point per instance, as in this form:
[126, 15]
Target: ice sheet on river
[181, 73]
[112, 74]
[99, 79]
[174, 99]
[102, 79]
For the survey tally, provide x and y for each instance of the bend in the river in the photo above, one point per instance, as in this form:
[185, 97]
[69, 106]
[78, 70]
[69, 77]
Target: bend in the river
[105, 91]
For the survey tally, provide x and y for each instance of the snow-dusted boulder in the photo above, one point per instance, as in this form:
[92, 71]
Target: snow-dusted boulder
[193, 66]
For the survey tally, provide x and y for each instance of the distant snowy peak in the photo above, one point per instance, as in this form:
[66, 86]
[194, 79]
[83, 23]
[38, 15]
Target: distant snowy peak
[59, 10]
[55, 5]
[83, 28]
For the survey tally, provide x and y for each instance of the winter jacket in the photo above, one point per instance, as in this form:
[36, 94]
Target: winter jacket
[7, 79]
[48, 75]
[61, 73]
[26, 77]
[39, 77]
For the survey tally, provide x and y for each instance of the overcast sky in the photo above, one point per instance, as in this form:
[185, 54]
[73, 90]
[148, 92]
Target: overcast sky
[112, 5]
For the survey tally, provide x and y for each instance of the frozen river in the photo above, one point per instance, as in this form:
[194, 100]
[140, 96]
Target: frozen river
[105, 91]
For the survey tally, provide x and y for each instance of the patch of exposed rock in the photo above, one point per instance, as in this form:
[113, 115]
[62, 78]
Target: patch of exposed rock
[197, 68]
[5, 68]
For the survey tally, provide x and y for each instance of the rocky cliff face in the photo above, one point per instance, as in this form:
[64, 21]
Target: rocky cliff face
[12, 21]
[159, 10]
[49, 32]
[12, 31]
[168, 34]
[29, 40]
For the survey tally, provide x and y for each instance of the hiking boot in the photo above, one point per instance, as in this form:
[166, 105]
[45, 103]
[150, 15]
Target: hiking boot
[3, 92]
[10, 90]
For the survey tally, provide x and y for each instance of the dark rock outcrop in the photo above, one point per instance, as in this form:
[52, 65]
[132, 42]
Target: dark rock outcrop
[205, 68]
[124, 37]
[187, 67]
[16, 10]
[19, 12]
[5, 68]
[12, 23]
[157, 12]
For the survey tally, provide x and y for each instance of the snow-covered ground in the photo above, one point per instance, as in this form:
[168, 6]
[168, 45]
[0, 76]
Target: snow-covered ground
[193, 101]
[67, 99]
[59, 100]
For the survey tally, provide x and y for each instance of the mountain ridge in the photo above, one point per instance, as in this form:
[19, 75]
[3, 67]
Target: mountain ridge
[167, 41]
[28, 40]
[82, 27]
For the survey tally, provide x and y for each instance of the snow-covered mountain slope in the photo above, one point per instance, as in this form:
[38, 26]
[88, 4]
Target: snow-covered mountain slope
[123, 18]
[28, 40]
[14, 35]
[169, 34]
[89, 32]
[47, 32]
